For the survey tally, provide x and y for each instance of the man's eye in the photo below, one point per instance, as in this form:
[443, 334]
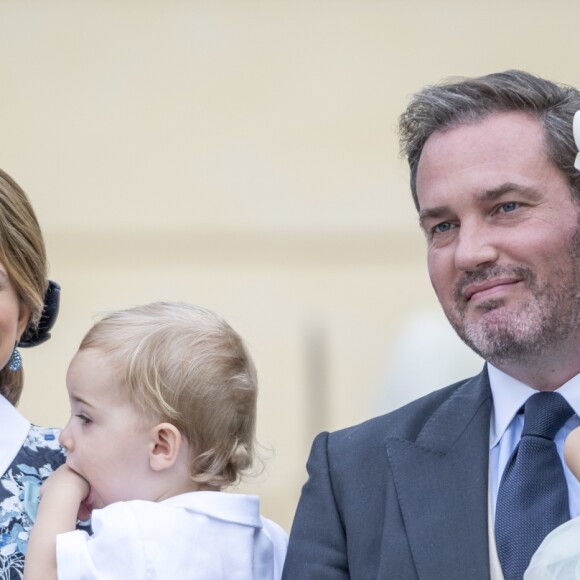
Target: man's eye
[442, 228]
[508, 207]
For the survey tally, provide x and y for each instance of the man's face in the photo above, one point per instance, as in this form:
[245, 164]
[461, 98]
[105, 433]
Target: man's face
[502, 236]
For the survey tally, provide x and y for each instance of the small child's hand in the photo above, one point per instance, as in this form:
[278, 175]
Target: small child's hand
[62, 497]
[572, 451]
[70, 486]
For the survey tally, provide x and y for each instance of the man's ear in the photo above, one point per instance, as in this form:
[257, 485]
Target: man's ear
[164, 448]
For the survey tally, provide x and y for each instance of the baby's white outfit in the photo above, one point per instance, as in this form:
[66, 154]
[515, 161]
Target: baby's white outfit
[558, 557]
[205, 535]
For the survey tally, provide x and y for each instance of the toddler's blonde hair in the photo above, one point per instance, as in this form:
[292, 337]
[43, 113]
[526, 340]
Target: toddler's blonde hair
[186, 365]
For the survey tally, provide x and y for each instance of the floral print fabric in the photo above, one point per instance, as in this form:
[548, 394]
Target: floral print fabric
[20, 485]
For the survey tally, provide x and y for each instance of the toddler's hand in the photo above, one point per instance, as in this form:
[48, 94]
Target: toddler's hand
[68, 486]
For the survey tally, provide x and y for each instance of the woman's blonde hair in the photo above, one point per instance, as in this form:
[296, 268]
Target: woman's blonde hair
[23, 254]
[185, 365]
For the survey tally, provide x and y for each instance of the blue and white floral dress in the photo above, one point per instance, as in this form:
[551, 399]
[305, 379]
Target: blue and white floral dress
[28, 455]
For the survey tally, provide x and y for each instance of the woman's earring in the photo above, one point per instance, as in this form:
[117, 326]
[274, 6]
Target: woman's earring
[15, 361]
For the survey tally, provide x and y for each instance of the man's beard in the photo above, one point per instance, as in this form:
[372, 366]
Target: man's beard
[523, 332]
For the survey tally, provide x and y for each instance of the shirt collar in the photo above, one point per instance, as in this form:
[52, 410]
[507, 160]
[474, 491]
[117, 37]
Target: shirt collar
[14, 430]
[509, 395]
[230, 507]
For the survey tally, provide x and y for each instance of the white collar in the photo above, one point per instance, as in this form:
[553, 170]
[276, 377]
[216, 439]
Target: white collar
[231, 507]
[13, 433]
[509, 395]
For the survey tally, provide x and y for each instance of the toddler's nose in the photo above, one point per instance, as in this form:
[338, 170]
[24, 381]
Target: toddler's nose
[65, 439]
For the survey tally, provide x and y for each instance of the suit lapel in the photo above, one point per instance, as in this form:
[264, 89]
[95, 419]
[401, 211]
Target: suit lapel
[441, 480]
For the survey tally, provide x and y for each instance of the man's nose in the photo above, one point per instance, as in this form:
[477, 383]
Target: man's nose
[476, 247]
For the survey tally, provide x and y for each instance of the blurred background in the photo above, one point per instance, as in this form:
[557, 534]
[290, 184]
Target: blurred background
[243, 155]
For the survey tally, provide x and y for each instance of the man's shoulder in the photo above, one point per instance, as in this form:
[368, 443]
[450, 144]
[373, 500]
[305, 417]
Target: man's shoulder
[408, 421]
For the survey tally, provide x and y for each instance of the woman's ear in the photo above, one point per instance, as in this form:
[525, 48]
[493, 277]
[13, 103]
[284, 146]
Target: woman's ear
[164, 448]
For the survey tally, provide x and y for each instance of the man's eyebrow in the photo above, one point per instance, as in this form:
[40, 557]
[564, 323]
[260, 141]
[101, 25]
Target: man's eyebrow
[504, 188]
[487, 195]
[432, 213]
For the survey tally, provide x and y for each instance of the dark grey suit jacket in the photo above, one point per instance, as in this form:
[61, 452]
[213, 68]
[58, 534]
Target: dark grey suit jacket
[402, 496]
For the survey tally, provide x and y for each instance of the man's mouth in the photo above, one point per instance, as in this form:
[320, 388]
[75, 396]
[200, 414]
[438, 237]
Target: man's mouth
[488, 288]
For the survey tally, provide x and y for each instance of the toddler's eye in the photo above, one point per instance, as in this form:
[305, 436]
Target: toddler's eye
[84, 419]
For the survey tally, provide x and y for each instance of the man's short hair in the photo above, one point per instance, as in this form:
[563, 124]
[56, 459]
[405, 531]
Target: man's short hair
[462, 101]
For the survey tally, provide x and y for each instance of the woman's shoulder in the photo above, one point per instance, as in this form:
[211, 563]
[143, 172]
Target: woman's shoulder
[40, 451]
[43, 438]
[38, 457]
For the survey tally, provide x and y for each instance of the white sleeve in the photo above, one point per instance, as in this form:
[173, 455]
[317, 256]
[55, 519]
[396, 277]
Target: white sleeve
[558, 557]
[115, 550]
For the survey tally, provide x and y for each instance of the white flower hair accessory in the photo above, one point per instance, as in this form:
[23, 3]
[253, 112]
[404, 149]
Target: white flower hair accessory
[576, 127]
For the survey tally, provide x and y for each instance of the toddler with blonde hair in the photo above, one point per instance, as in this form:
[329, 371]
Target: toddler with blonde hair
[163, 413]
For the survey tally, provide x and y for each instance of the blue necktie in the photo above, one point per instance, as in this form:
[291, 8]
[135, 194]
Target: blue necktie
[533, 497]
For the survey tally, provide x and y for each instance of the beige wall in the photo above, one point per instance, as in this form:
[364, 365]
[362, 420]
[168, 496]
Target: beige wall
[243, 155]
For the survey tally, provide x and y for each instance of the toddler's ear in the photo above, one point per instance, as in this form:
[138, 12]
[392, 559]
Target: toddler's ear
[164, 448]
[572, 451]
